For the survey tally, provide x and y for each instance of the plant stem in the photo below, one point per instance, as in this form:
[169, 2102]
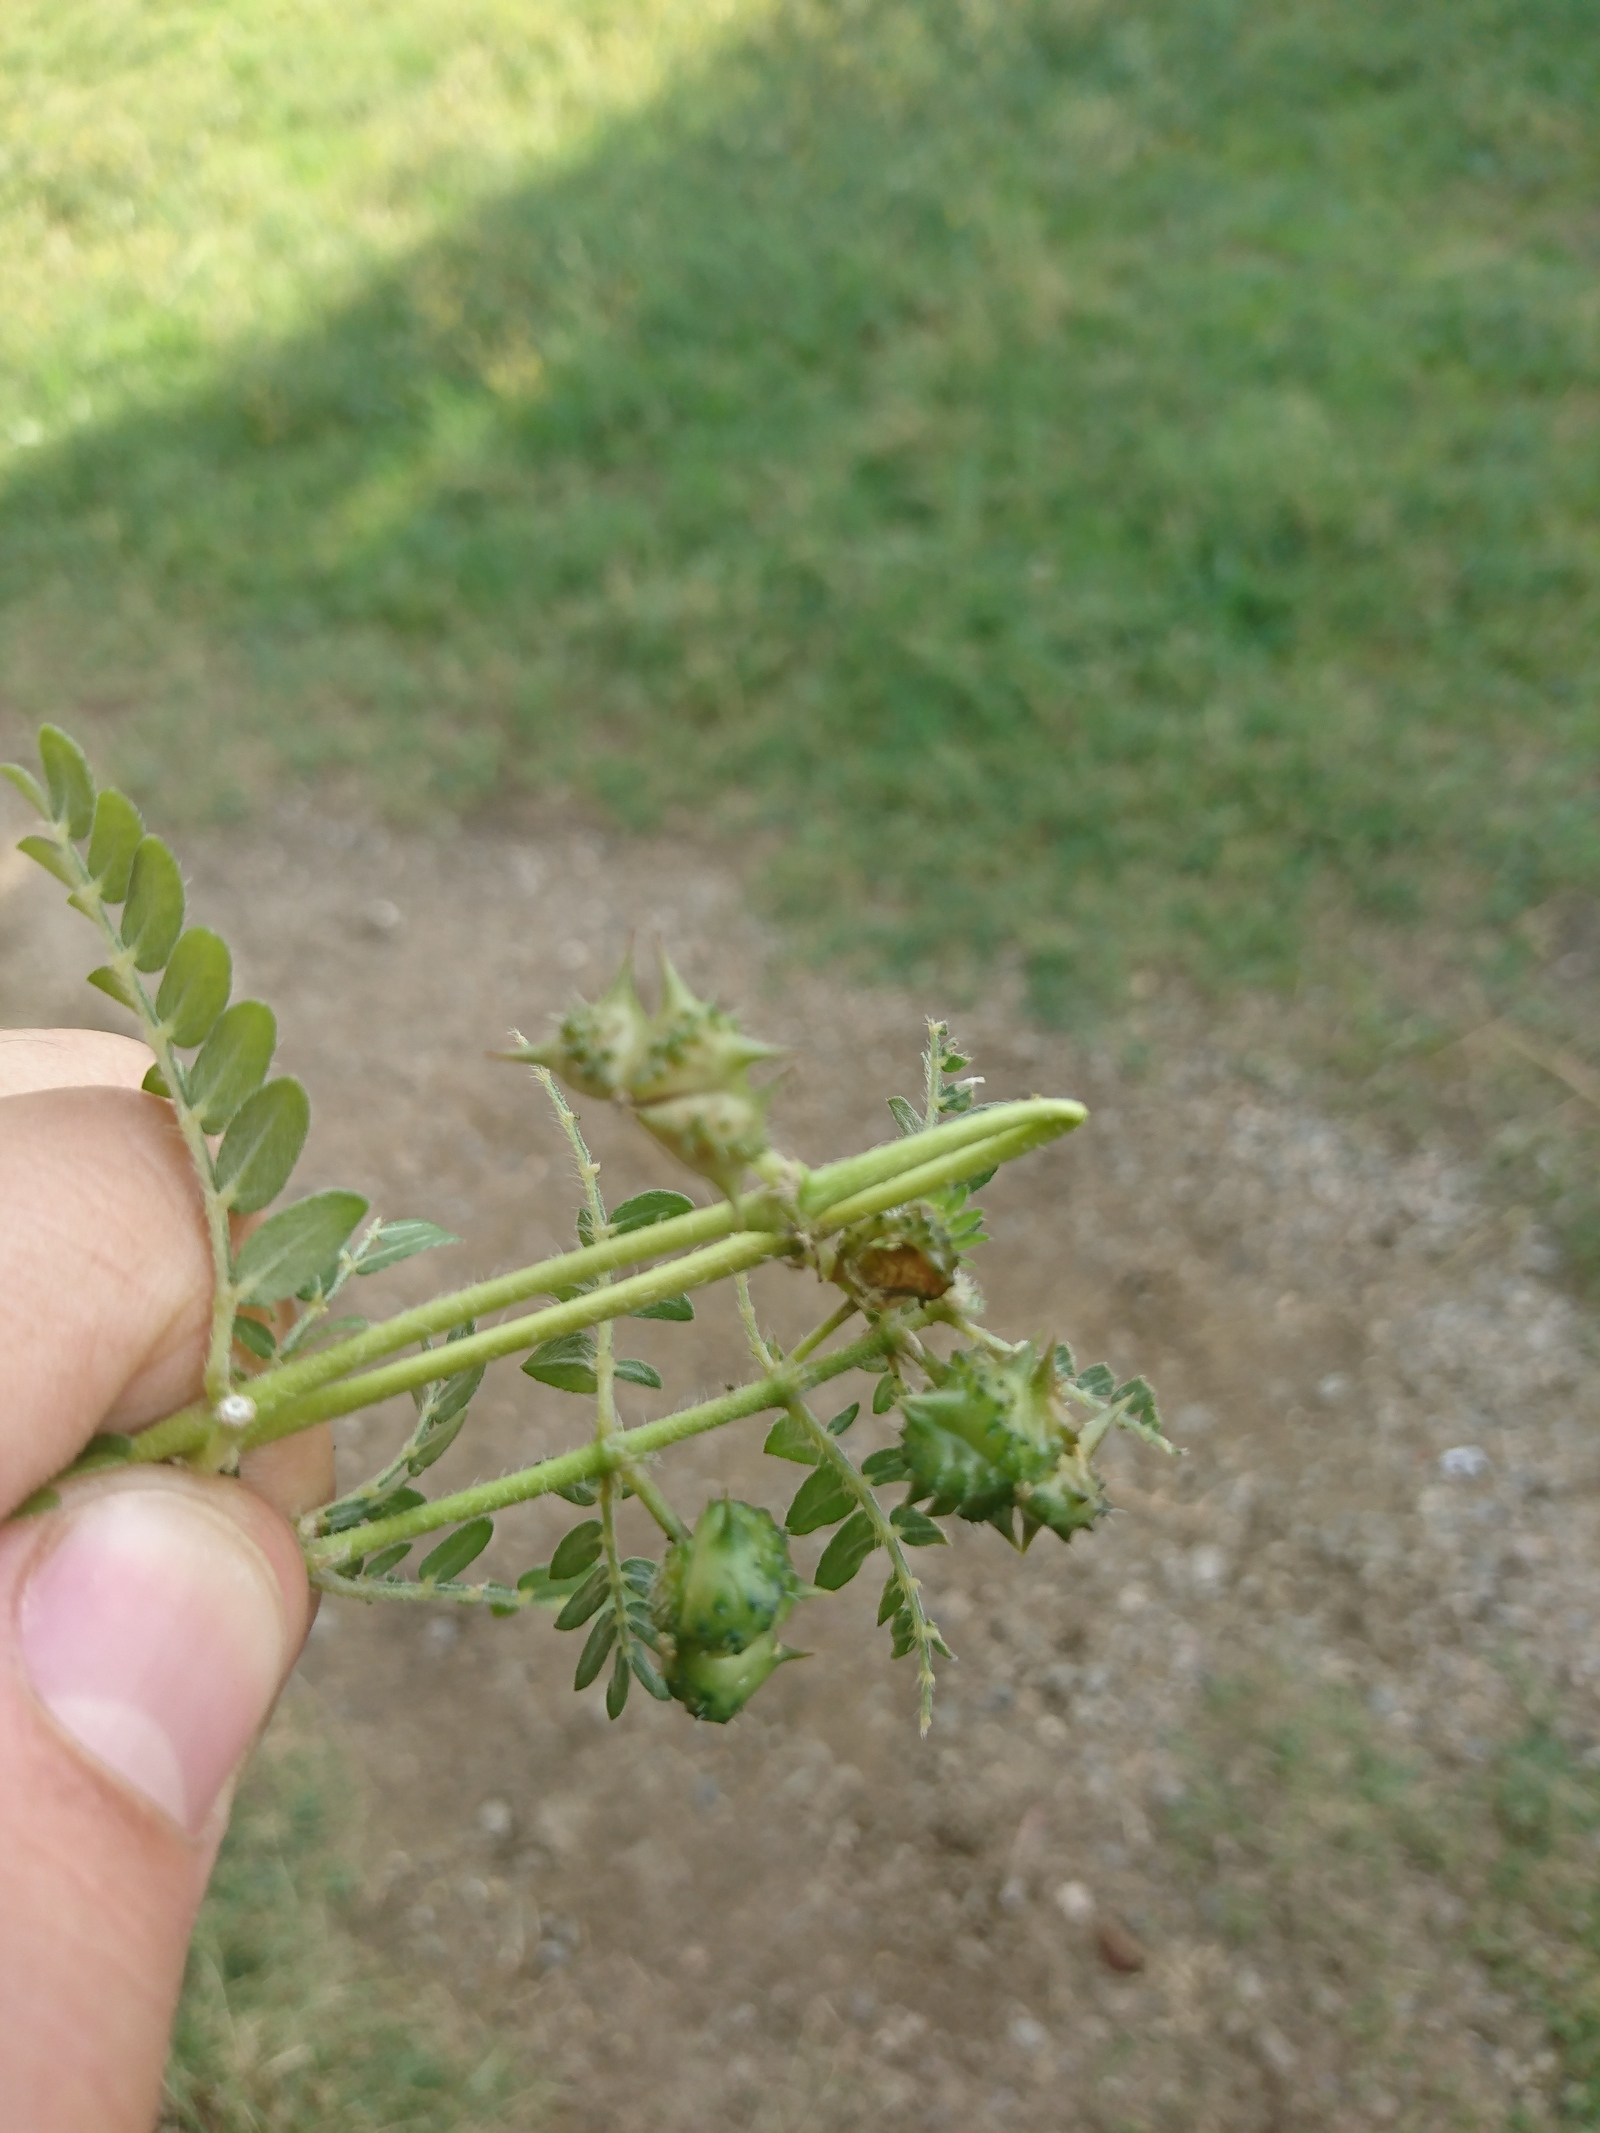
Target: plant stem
[588, 1461]
[304, 1392]
[506, 1597]
[818, 1334]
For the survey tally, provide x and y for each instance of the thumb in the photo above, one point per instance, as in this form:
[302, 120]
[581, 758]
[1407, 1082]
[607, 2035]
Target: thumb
[146, 1627]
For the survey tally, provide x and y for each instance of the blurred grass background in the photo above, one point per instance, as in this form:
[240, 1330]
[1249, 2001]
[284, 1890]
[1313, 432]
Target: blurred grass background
[1077, 490]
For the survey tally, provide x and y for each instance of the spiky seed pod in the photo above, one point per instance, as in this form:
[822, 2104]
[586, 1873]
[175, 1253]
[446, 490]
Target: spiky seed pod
[729, 1583]
[718, 1133]
[598, 1045]
[717, 1686]
[995, 1437]
[907, 1253]
[692, 1047]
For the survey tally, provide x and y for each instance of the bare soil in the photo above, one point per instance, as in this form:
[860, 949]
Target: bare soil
[1038, 1918]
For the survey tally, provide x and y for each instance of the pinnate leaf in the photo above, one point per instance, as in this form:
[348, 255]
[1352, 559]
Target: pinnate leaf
[846, 1552]
[452, 1556]
[152, 917]
[45, 852]
[589, 1595]
[263, 1144]
[28, 785]
[645, 1209]
[915, 1528]
[112, 843]
[294, 1246]
[596, 1648]
[395, 1241]
[822, 1500]
[195, 986]
[788, 1439]
[114, 986]
[567, 1362]
[232, 1063]
[632, 1372]
[68, 781]
[579, 1550]
[617, 1686]
[677, 1308]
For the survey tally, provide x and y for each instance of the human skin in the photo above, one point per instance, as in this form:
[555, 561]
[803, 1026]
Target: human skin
[148, 1624]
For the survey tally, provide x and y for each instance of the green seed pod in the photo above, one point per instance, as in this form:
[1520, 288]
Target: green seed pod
[1060, 1502]
[907, 1253]
[718, 1134]
[717, 1686]
[692, 1047]
[598, 1045]
[727, 1585]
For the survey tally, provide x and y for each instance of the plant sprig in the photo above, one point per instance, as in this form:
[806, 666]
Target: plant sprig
[989, 1431]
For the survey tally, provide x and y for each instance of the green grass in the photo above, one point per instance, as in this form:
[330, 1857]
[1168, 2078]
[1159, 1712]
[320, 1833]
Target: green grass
[288, 2021]
[1310, 1843]
[1100, 487]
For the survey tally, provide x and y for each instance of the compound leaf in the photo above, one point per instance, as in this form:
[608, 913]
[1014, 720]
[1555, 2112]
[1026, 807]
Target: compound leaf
[27, 784]
[113, 841]
[294, 1246]
[394, 1241]
[195, 986]
[645, 1209]
[68, 780]
[45, 852]
[822, 1500]
[152, 917]
[596, 1647]
[232, 1063]
[846, 1552]
[452, 1556]
[263, 1144]
[579, 1550]
[114, 986]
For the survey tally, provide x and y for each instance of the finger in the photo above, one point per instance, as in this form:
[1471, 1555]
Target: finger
[145, 1630]
[70, 1059]
[105, 1278]
[295, 1474]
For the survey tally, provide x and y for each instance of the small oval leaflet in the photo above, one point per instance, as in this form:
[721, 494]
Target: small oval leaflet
[296, 1245]
[114, 986]
[49, 855]
[152, 917]
[112, 843]
[263, 1145]
[452, 1556]
[233, 1062]
[822, 1500]
[595, 1648]
[68, 780]
[396, 1241]
[647, 1208]
[617, 1686]
[195, 986]
[579, 1550]
[846, 1552]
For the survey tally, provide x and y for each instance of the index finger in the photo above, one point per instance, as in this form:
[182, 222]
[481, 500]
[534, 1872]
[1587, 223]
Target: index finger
[33, 1059]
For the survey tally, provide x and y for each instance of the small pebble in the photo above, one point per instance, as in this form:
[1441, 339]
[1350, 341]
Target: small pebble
[1075, 1902]
[1464, 1462]
[495, 1819]
[1120, 1948]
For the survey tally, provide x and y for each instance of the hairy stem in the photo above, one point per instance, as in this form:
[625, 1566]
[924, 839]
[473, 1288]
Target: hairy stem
[313, 1389]
[588, 1461]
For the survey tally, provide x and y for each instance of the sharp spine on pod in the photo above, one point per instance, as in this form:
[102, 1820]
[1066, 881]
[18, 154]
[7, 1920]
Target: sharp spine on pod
[684, 1070]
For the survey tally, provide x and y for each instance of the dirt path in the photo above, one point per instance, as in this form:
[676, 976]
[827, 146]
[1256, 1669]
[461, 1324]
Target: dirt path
[808, 1921]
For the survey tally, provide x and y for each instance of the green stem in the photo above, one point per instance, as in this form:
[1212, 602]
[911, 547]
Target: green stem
[588, 1461]
[818, 1334]
[505, 1597]
[654, 1502]
[1016, 1129]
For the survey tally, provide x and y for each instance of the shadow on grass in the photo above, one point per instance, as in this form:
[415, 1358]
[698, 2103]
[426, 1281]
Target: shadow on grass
[1098, 487]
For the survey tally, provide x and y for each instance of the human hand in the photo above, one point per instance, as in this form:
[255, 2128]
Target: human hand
[148, 1624]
